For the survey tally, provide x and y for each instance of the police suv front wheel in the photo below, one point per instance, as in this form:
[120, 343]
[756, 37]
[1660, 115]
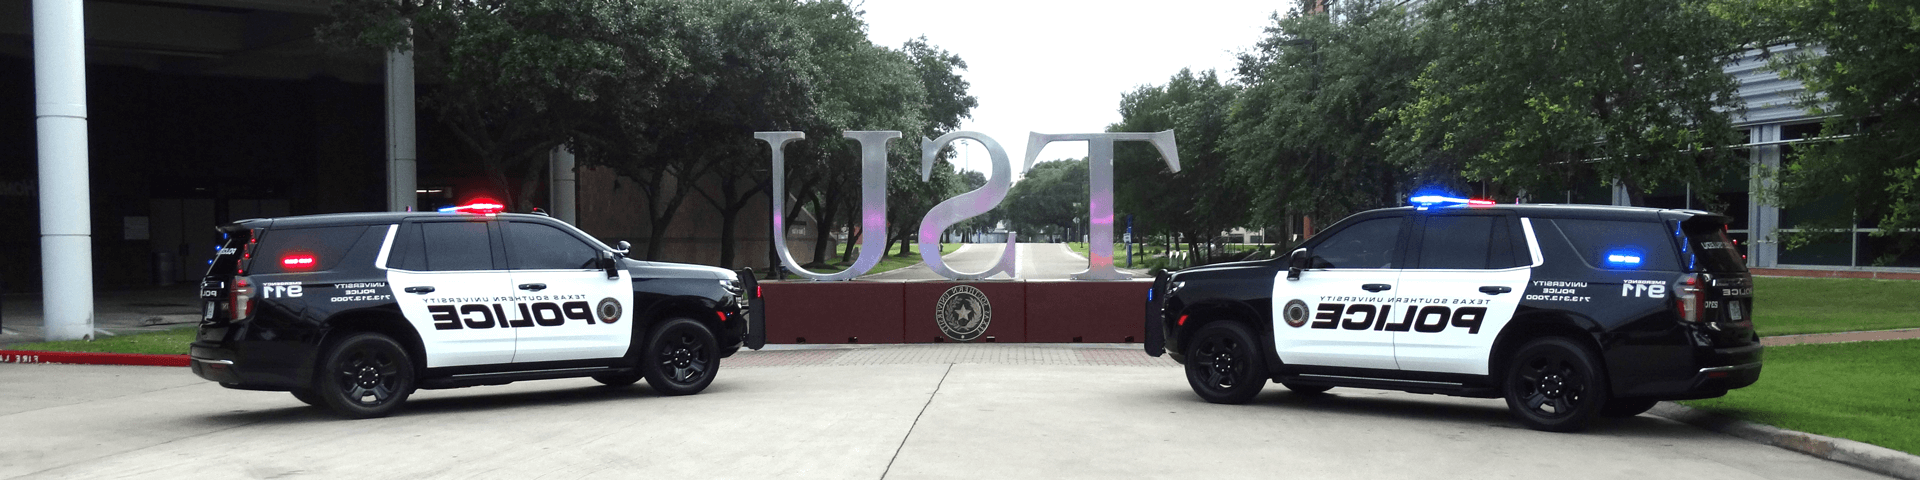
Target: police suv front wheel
[680, 358]
[1224, 365]
[365, 375]
[1555, 384]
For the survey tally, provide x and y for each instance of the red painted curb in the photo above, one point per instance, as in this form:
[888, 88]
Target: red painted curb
[85, 358]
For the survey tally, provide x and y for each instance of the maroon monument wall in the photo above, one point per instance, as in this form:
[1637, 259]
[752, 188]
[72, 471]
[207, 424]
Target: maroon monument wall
[903, 312]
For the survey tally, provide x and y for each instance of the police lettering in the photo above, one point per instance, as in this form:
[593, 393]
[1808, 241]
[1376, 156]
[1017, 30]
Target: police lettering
[1423, 319]
[480, 316]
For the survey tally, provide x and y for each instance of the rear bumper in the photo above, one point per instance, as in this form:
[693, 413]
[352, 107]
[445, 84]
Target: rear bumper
[1712, 373]
[229, 370]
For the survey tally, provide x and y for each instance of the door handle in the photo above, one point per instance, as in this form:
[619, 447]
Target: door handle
[1376, 287]
[419, 290]
[533, 287]
[1495, 290]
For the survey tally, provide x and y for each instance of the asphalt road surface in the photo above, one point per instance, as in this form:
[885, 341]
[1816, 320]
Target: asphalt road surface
[1036, 261]
[922, 411]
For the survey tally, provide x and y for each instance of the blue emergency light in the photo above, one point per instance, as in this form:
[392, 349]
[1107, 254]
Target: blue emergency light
[1623, 259]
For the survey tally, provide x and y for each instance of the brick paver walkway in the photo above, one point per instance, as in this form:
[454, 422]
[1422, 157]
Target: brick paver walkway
[1119, 355]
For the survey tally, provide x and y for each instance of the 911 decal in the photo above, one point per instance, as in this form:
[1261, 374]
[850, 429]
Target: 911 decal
[1417, 318]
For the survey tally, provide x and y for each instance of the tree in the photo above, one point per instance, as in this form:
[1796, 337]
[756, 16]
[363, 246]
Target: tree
[1052, 197]
[1537, 93]
[1863, 74]
[517, 76]
[746, 69]
[1306, 134]
[1196, 108]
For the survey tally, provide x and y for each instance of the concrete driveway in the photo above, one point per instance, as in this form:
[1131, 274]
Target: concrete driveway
[920, 411]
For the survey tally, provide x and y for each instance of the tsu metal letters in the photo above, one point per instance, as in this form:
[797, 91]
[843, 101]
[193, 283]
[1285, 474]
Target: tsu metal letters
[873, 201]
[964, 206]
[1100, 185]
[963, 313]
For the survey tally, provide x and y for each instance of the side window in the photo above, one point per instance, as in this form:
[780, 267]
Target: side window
[1470, 242]
[456, 246]
[1368, 244]
[287, 250]
[1620, 244]
[535, 246]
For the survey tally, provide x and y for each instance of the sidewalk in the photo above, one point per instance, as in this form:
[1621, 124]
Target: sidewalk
[115, 312]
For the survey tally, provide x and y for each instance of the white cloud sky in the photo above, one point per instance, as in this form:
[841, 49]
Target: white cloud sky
[1061, 66]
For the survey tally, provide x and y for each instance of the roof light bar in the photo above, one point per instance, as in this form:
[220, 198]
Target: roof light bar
[481, 207]
[1423, 202]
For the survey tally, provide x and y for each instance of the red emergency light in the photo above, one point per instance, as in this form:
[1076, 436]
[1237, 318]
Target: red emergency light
[298, 261]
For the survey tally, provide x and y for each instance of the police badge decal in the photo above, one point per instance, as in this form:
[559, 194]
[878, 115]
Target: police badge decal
[963, 313]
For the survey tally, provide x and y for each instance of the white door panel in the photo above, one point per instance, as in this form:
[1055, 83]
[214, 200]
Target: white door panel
[579, 314]
[1339, 324]
[1454, 322]
[455, 321]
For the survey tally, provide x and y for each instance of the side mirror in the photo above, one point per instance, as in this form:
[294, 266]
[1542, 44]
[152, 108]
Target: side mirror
[622, 248]
[1300, 260]
[609, 262]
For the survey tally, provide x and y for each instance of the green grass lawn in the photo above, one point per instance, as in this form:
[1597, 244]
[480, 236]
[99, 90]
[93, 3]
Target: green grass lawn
[1788, 306]
[891, 261]
[166, 342]
[1865, 391]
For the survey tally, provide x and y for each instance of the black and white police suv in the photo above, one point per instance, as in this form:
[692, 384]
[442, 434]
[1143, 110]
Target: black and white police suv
[356, 311]
[1566, 311]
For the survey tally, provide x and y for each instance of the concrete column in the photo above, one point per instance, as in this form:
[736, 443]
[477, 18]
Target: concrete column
[1763, 250]
[563, 191]
[1620, 196]
[401, 181]
[60, 122]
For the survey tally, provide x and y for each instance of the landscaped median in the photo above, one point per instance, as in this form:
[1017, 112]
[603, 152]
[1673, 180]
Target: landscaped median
[166, 348]
[1864, 391]
[1792, 305]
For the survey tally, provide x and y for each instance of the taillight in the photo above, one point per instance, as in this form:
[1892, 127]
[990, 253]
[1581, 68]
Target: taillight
[1687, 300]
[240, 299]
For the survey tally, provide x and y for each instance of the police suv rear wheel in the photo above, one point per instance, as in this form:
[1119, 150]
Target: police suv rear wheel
[1555, 384]
[365, 375]
[681, 357]
[1224, 365]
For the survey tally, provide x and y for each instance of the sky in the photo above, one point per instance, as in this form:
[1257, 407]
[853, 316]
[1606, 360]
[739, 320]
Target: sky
[1061, 66]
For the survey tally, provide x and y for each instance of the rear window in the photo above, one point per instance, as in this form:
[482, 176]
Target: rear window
[1621, 245]
[226, 260]
[1710, 249]
[293, 250]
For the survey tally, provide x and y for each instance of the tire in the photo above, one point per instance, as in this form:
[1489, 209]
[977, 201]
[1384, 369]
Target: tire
[618, 379]
[1306, 389]
[1555, 384]
[307, 396]
[365, 375]
[1224, 364]
[680, 358]
[1627, 407]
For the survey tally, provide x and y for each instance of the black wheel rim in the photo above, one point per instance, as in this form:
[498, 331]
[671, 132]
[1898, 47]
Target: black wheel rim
[1222, 362]
[369, 376]
[684, 357]
[1551, 384]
